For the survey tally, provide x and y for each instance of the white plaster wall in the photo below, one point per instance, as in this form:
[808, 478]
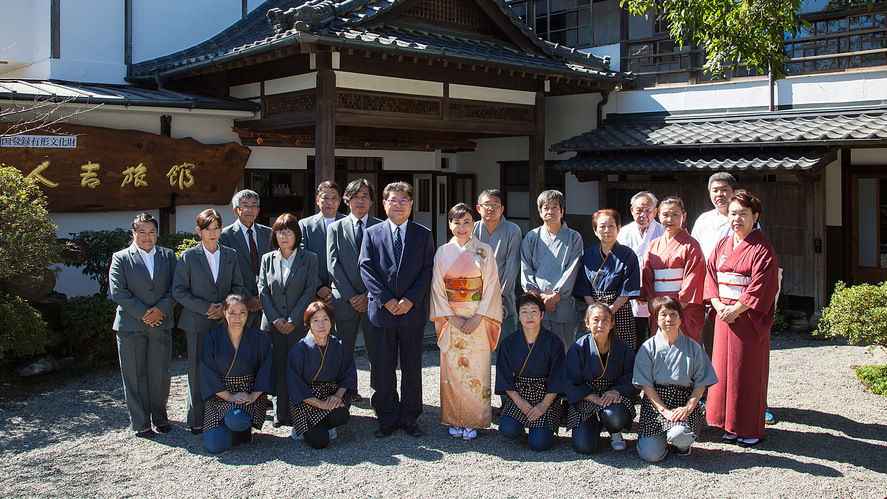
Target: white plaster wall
[568, 116]
[582, 197]
[278, 158]
[753, 93]
[161, 27]
[869, 157]
[92, 31]
[20, 29]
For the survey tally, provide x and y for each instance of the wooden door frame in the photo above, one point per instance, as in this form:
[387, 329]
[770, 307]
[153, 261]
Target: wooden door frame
[856, 173]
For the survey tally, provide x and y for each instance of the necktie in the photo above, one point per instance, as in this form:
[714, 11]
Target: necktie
[253, 250]
[359, 233]
[398, 246]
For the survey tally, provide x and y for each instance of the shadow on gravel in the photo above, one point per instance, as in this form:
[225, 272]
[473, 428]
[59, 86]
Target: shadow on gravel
[728, 460]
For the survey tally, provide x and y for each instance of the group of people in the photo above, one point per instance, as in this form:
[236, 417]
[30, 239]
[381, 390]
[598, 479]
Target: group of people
[276, 311]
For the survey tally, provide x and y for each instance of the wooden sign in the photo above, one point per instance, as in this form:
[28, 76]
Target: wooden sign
[129, 170]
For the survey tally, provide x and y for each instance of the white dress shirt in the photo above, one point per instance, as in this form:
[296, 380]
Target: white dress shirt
[214, 259]
[148, 258]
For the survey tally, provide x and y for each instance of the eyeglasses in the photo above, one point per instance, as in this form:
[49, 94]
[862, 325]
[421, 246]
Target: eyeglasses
[246, 207]
[491, 206]
[402, 202]
[286, 233]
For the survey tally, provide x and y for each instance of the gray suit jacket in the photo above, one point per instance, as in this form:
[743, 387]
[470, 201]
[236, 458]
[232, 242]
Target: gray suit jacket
[232, 237]
[194, 288]
[135, 292]
[287, 299]
[314, 240]
[342, 261]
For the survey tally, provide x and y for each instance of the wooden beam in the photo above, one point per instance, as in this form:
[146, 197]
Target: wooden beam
[537, 160]
[325, 128]
[55, 32]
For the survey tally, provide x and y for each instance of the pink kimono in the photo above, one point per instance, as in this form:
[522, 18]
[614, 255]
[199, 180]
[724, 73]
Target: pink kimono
[465, 283]
[676, 268]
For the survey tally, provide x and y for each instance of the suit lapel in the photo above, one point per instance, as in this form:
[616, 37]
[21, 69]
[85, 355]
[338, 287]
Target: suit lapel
[158, 264]
[239, 240]
[297, 262]
[201, 252]
[348, 227]
[138, 263]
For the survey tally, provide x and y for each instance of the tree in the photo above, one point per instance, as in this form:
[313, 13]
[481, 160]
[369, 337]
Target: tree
[742, 32]
[27, 235]
[37, 114]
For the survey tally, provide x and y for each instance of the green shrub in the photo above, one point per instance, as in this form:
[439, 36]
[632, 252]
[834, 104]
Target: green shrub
[178, 242]
[874, 377]
[23, 332]
[100, 246]
[858, 313]
[27, 235]
[87, 322]
[780, 324]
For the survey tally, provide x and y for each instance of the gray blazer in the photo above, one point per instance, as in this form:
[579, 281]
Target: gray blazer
[194, 288]
[135, 292]
[342, 253]
[314, 240]
[232, 237]
[287, 299]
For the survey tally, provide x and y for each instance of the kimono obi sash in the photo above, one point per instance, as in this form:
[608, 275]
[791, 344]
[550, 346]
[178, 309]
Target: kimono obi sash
[732, 285]
[668, 280]
[464, 289]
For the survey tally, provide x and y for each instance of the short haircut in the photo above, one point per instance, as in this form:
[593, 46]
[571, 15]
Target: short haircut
[232, 299]
[531, 297]
[354, 187]
[317, 306]
[723, 177]
[459, 211]
[244, 194]
[205, 219]
[643, 194]
[667, 303]
[491, 193]
[747, 200]
[549, 196]
[284, 222]
[142, 218]
[673, 200]
[610, 212]
[399, 186]
[328, 184]
[606, 308]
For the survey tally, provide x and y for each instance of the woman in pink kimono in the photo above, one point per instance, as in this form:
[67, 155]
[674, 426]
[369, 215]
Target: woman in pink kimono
[466, 307]
[675, 266]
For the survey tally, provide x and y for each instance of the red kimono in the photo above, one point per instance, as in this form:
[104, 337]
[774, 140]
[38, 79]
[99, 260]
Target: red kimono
[747, 273]
[676, 268]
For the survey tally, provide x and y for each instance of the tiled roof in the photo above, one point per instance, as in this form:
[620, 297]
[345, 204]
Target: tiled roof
[778, 128]
[357, 24]
[113, 95]
[700, 161]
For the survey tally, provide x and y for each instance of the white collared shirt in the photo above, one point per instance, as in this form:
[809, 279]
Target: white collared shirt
[148, 258]
[214, 259]
[710, 228]
[327, 222]
[363, 221]
[403, 235]
[244, 229]
[286, 264]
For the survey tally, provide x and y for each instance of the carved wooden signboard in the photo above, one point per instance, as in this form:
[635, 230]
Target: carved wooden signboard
[127, 170]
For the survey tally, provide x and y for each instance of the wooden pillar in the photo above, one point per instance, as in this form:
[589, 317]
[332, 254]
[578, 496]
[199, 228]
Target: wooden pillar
[325, 122]
[537, 160]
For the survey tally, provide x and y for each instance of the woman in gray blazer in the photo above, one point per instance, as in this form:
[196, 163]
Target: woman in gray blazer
[205, 275]
[287, 283]
[140, 278]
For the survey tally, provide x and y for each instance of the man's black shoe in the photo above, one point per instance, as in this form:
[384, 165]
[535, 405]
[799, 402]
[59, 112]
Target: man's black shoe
[385, 430]
[413, 430]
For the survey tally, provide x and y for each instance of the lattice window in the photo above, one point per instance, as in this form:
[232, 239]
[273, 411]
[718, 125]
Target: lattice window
[291, 102]
[387, 104]
[486, 112]
[465, 14]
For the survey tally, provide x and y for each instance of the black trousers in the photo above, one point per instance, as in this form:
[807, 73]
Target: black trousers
[391, 343]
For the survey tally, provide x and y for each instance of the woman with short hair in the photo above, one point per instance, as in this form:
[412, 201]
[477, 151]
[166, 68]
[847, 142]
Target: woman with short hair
[673, 372]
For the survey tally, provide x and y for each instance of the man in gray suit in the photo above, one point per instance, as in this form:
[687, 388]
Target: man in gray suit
[140, 278]
[250, 240]
[328, 198]
[343, 240]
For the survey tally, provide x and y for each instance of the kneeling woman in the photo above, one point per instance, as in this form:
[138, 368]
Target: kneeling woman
[321, 375]
[673, 371]
[597, 382]
[236, 371]
[529, 369]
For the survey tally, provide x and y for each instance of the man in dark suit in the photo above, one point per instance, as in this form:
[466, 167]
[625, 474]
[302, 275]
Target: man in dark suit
[396, 261]
[250, 240]
[343, 240]
[140, 278]
[328, 197]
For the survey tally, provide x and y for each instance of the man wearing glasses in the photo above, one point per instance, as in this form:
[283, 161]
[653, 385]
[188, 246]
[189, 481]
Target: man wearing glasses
[638, 235]
[505, 239]
[250, 240]
[396, 261]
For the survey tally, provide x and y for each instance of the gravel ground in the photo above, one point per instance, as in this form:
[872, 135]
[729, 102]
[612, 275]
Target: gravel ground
[831, 441]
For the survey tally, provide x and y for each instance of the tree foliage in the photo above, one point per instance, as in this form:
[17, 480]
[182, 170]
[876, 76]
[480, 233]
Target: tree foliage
[27, 235]
[858, 313]
[23, 332]
[100, 246]
[745, 32]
